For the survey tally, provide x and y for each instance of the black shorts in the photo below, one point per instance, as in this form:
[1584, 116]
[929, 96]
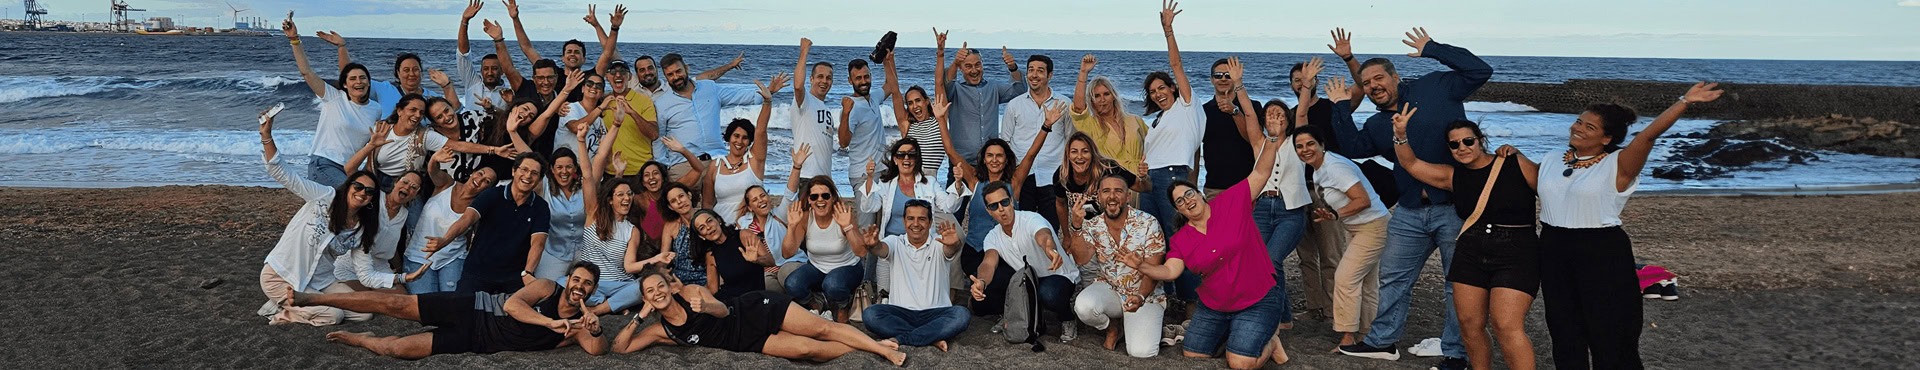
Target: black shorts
[1500, 257]
[761, 314]
[460, 327]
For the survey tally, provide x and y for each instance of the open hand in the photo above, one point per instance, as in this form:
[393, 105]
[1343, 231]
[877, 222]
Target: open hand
[1127, 257]
[1322, 214]
[1053, 115]
[574, 78]
[619, 15]
[949, 233]
[442, 156]
[1342, 45]
[841, 215]
[473, 9]
[1168, 9]
[513, 9]
[618, 162]
[672, 144]
[504, 151]
[1417, 39]
[380, 131]
[331, 37]
[439, 77]
[1337, 90]
[800, 155]
[1702, 92]
[492, 29]
[940, 105]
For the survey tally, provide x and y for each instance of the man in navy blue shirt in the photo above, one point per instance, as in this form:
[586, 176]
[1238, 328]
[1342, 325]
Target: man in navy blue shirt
[510, 231]
[1424, 219]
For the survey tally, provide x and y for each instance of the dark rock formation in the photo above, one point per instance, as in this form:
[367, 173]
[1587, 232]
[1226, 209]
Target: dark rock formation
[1832, 132]
[1716, 156]
[1742, 101]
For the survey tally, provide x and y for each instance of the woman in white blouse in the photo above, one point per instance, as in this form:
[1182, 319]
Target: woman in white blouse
[1586, 269]
[372, 268]
[332, 222]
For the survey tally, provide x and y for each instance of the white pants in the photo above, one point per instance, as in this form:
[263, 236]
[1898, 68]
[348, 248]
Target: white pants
[1098, 305]
[279, 291]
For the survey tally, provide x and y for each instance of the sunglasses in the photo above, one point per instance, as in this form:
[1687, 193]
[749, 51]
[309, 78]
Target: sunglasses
[358, 187]
[902, 155]
[994, 206]
[820, 196]
[1451, 144]
[1222, 75]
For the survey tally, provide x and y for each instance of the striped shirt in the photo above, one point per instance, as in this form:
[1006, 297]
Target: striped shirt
[933, 151]
[609, 255]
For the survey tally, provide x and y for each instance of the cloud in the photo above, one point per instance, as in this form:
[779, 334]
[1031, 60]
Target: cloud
[1909, 3]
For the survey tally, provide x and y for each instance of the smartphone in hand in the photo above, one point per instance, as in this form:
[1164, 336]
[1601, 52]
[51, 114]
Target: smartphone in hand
[271, 112]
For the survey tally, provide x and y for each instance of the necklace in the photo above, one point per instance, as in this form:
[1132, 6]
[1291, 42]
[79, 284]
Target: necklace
[735, 167]
[1574, 163]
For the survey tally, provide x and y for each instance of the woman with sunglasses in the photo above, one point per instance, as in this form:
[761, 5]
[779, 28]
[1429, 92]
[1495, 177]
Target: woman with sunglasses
[577, 117]
[1495, 262]
[372, 268]
[332, 221]
[1593, 304]
[1241, 303]
[901, 181]
[834, 246]
[725, 187]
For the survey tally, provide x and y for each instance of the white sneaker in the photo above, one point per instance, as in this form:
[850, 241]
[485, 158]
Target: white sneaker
[1069, 331]
[1429, 347]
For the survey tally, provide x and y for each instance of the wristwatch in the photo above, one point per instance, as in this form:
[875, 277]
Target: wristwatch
[1399, 140]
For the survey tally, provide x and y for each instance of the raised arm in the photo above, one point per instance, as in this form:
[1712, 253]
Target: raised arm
[520, 33]
[339, 46]
[892, 89]
[1354, 142]
[940, 108]
[1080, 84]
[1528, 168]
[314, 82]
[800, 74]
[760, 123]
[1342, 47]
[539, 125]
[1263, 168]
[1168, 10]
[1245, 119]
[1634, 157]
[1437, 175]
[797, 227]
[596, 166]
[1469, 72]
[844, 131]
[717, 72]
[270, 153]
[365, 154]
[608, 39]
[512, 73]
[473, 9]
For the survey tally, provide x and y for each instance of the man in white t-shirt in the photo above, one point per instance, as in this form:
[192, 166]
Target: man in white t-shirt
[813, 122]
[1024, 239]
[918, 311]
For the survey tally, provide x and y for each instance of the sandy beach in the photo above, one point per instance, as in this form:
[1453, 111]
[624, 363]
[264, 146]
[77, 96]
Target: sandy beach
[109, 278]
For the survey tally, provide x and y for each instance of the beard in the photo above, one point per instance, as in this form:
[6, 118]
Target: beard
[861, 89]
[650, 82]
[681, 84]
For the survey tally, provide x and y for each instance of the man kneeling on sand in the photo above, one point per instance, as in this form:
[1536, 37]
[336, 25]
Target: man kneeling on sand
[543, 315]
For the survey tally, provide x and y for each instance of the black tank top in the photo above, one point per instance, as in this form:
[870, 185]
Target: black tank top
[704, 330]
[511, 334]
[1512, 201]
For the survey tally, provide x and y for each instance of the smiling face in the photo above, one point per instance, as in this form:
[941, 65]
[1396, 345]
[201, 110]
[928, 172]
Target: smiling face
[526, 175]
[648, 75]
[480, 180]
[622, 199]
[1464, 154]
[680, 201]
[918, 107]
[1189, 202]
[1114, 196]
[917, 220]
[443, 116]
[1220, 83]
[1588, 133]
[409, 73]
[822, 81]
[995, 157]
[738, 141]
[903, 158]
[1160, 93]
[581, 282]
[574, 55]
[357, 82]
[1104, 102]
[1308, 149]
[490, 71]
[971, 69]
[657, 293]
[565, 171]
[617, 80]
[1079, 156]
[360, 192]
[861, 80]
[593, 89]
[523, 113]
[677, 77]
[405, 188]
[409, 117]
[544, 80]
[1038, 75]
[1382, 88]
[758, 202]
[820, 199]
[652, 178]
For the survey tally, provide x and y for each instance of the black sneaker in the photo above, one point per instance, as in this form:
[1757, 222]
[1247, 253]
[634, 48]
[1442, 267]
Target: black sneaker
[1670, 290]
[1651, 292]
[1452, 363]
[1363, 350]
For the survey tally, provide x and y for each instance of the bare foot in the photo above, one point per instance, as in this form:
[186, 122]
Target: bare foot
[1113, 337]
[942, 345]
[890, 344]
[302, 299]
[1279, 352]
[347, 338]
[898, 358]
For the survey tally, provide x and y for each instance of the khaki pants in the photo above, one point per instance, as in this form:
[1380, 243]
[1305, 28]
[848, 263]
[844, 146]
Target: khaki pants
[675, 172]
[1356, 283]
[777, 279]
[1320, 253]
[279, 292]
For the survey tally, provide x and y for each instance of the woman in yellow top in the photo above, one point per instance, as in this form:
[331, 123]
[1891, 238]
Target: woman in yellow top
[1120, 135]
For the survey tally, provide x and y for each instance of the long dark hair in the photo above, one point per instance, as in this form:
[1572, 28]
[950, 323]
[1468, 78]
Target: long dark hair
[497, 135]
[394, 118]
[350, 67]
[923, 96]
[1013, 160]
[337, 212]
[1614, 119]
[666, 208]
[1147, 86]
[603, 216]
[893, 169]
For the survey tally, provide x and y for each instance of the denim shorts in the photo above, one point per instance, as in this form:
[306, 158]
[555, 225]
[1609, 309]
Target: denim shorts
[1246, 331]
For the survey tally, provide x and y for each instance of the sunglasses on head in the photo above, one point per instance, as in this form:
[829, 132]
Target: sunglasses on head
[820, 196]
[994, 206]
[1456, 144]
[1222, 75]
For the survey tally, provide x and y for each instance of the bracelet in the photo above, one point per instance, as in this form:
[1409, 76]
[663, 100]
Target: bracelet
[616, 28]
[295, 42]
[1399, 140]
[1348, 57]
[503, 39]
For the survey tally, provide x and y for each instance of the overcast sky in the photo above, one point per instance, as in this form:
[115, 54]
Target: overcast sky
[1754, 29]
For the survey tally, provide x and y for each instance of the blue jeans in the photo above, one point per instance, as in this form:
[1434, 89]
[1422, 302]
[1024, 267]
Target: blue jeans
[1282, 229]
[445, 279]
[618, 295]
[324, 171]
[915, 327]
[1156, 203]
[836, 285]
[1246, 332]
[1413, 233]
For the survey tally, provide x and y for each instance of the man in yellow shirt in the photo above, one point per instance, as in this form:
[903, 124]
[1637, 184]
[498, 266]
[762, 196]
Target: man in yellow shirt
[638, 129]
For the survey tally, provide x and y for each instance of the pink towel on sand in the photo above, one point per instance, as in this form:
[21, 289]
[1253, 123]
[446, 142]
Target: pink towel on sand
[1653, 275]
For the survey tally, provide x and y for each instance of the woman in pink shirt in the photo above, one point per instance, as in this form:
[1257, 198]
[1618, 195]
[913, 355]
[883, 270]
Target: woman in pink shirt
[1239, 302]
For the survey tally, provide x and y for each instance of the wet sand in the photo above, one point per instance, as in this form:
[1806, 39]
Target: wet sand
[110, 278]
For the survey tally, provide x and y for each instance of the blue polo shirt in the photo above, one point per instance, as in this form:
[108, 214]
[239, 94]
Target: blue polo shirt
[502, 237]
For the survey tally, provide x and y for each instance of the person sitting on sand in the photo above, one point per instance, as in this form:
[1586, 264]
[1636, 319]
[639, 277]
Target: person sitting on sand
[1119, 291]
[609, 240]
[685, 264]
[736, 269]
[759, 229]
[440, 271]
[372, 268]
[541, 316]
[1587, 277]
[510, 229]
[919, 312]
[332, 221]
[835, 250]
[1022, 239]
[765, 322]
[1241, 304]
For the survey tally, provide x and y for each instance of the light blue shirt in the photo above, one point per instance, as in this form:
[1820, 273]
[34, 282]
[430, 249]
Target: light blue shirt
[975, 114]
[388, 95]
[869, 142]
[696, 122]
[568, 217]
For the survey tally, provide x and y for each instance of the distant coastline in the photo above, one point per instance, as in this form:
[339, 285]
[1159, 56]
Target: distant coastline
[1742, 101]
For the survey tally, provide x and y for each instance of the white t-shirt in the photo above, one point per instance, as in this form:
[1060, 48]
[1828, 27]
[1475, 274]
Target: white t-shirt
[813, 125]
[399, 156]
[1336, 175]
[920, 273]
[827, 247]
[1022, 245]
[1585, 200]
[1174, 135]
[1021, 123]
[564, 137]
[344, 126]
[435, 217]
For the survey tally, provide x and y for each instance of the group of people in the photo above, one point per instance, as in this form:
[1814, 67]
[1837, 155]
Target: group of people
[510, 212]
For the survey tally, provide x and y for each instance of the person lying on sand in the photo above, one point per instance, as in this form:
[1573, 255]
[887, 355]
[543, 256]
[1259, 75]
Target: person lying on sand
[543, 315]
[761, 321]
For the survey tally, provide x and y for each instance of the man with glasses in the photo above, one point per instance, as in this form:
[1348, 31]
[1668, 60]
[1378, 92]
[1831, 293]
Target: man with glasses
[1229, 157]
[1023, 239]
[510, 231]
[637, 126]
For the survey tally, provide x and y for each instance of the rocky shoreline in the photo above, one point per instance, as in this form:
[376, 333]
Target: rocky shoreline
[1741, 102]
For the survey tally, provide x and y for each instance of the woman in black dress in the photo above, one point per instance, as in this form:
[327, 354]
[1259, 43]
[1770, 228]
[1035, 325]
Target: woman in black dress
[762, 321]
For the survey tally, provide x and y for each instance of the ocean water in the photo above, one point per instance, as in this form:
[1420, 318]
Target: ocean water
[126, 110]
